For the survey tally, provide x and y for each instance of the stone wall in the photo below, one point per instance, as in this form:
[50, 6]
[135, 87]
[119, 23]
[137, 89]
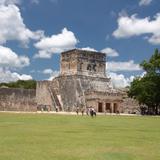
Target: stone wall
[71, 89]
[105, 101]
[12, 99]
[130, 105]
[43, 96]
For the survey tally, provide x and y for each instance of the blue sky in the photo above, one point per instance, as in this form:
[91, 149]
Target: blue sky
[34, 32]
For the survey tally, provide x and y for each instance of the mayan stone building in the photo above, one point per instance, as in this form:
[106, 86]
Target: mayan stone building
[82, 83]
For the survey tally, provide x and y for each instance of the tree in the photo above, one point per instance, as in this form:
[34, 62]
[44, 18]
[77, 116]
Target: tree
[29, 84]
[146, 89]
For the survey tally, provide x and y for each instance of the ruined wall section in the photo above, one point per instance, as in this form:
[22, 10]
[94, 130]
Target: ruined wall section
[130, 105]
[43, 95]
[17, 99]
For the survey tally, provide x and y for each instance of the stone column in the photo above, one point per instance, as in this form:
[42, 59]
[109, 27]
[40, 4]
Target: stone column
[112, 107]
[104, 105]
[118, 107]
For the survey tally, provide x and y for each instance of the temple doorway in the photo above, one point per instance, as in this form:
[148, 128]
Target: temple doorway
[108, 107]
[115, 109]
[100, 107]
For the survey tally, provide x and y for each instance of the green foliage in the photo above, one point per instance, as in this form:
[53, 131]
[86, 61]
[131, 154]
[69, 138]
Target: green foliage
[147, 89]
[29, 84]
[153, 65]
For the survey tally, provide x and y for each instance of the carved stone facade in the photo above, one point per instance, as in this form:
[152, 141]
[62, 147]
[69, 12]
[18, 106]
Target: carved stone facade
[80, 62]
[82, 83]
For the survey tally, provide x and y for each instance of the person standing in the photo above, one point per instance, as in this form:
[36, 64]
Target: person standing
[82, 111]
[77, 110]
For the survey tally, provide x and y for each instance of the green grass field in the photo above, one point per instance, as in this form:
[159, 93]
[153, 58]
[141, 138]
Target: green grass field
[61, 137]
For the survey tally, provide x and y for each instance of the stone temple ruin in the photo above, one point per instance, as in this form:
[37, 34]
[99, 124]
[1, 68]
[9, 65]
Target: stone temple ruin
[82, 83]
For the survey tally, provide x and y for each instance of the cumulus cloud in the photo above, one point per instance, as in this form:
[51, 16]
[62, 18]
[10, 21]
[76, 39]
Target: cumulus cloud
[55, 44]
[13, 28]
[53, 75]
[7, 2]
[134, 26]
[110, 52]
[122, 66]
[155, 39]
[23, 76]
[144, 2]
[8, 76]
[119, 80]
[47, 71]
[89, 49]
[10, 59]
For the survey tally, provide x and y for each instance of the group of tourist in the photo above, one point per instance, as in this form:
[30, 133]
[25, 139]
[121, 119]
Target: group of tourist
[90, 111]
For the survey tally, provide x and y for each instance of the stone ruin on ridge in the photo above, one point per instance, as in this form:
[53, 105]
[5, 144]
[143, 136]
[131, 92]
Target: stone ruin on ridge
[82, 83]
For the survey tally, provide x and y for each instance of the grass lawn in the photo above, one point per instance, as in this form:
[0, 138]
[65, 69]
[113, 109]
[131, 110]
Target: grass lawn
[61, 137]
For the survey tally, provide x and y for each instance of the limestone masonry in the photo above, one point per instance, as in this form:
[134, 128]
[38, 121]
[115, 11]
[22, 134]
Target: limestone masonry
[82, 83]
[17, 99]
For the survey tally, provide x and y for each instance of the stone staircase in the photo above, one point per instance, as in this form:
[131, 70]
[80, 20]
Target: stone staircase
[55, 100]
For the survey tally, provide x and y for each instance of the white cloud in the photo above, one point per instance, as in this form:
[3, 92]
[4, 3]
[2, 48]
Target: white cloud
[13, 28]
[47, 71]
[144, 2]
[119, 80]
[143, 74]
[53, 75]
[10, 59]
[8, 76]
[7, 2]
[155, 39]
[110, 52]
[43, 54]
[122, 66]
[89, 49]
[134, 26]
[56, 44]
[23, 76]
